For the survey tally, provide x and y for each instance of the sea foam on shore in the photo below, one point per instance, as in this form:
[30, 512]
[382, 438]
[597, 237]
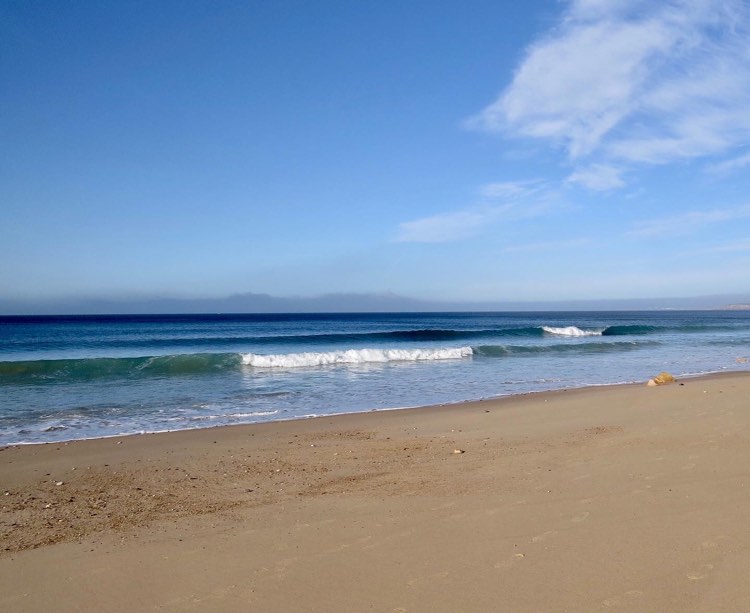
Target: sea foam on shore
[67, 378]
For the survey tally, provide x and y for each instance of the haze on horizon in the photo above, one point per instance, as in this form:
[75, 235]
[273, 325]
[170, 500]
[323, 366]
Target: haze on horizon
[472, 152]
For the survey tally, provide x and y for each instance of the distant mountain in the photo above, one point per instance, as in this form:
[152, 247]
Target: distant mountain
[237, 303]
[350, 303]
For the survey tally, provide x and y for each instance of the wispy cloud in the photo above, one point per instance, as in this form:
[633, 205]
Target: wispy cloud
[498, 202]
[548, 246]
[731, 164]
[633, 82]
[734, 247]
[447, 227]
[688, 222]
[599, 177]
[509, 190]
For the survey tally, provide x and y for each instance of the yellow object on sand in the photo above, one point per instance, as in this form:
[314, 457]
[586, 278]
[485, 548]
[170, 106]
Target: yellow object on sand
[663, 378]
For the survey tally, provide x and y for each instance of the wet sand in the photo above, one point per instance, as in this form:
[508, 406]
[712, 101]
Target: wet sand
[624, 498]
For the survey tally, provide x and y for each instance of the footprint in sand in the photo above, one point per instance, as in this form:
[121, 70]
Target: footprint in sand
[617, 601]
[281, 568]
[540, 537]
[701, 573]
[503, 564]
[442, 507]
[714, 542]
[429, 578]
[365, 543]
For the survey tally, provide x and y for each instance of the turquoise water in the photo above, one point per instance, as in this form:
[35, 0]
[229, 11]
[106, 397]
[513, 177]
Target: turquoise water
[66, 378]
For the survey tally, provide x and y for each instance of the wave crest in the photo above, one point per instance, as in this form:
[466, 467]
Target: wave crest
[590, 347]
[96, 368]
[571, 331]
[353, 356]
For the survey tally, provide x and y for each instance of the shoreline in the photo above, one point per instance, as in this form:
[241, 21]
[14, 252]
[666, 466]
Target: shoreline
[622, 497]
[690, 376]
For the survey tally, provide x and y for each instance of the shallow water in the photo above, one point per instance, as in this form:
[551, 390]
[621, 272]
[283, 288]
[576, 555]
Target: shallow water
[78, 377]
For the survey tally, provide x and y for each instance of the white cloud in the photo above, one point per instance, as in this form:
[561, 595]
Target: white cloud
[509, 189]
[688, 222]
[446, 227]
[577, 88]
[599, 177]
[731, 165]
[591, 9]
[500, 202]
[635, 82]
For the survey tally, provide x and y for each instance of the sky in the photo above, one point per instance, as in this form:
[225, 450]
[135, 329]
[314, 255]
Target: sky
[474, 150]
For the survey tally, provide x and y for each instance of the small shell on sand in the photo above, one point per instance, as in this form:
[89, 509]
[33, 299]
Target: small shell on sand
[458, 451]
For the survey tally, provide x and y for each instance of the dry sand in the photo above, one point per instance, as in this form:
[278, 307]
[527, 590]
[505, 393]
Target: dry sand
[622, 498]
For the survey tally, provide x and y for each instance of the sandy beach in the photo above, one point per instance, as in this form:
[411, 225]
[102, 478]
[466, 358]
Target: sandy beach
[624, 498]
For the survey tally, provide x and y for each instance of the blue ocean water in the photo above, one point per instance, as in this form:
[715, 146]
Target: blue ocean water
[74, 377]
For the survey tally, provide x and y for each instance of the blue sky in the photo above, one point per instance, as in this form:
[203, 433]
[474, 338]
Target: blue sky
[474, 150]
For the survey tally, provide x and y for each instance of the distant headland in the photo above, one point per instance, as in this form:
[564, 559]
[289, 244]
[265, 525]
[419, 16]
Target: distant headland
[250, 302]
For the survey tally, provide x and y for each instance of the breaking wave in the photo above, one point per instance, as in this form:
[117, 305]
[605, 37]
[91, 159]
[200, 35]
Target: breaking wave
[353, 356]
[48, 371]
[571, 331]
[189, 342]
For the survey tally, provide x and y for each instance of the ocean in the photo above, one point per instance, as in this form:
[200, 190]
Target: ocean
[75, 377]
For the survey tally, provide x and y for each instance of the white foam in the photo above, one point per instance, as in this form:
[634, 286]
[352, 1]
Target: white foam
[253, 414]
[571, 331]
[353, 356]
[228, 416]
